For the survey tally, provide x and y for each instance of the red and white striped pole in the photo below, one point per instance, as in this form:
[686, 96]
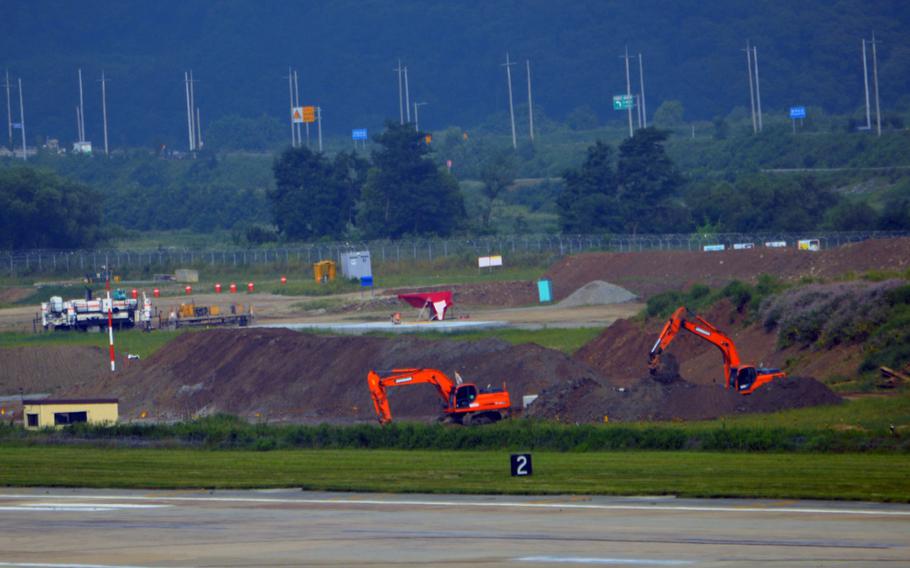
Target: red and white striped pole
[110, 320]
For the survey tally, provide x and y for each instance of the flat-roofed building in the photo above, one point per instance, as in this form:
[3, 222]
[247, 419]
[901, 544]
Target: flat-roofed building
[58, 412]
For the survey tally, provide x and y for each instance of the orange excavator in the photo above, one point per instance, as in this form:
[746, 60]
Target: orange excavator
[738, 376]
[463, 403]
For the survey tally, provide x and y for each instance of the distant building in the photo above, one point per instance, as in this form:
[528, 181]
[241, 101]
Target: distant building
[56, 413]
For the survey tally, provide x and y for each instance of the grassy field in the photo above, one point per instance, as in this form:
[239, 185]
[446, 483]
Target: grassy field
[133, 341]
[815, 476]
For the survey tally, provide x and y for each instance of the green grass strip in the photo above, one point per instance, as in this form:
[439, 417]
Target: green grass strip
[807, 476]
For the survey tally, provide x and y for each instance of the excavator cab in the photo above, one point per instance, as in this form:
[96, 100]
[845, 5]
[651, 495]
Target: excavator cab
[745, 376]
[464, 396]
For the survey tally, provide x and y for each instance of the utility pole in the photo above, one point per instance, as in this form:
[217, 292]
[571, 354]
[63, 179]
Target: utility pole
[198, 130]
[189, 111]
[641, 81]
[866, 85]
[757, 88]
[9, 111]
[751, 87]
[81, 110]
[104, 110]
[297, 104]
[878, 109]
[417, 115]
[291, 103]
[22, 121]
[400, 96]
[628, 91]
[319, 126]
[638, 108]
[193, 106]
[407, 94]
[508, 66]
[530, 102]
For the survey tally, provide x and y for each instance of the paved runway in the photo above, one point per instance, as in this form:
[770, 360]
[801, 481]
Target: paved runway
[59, 528]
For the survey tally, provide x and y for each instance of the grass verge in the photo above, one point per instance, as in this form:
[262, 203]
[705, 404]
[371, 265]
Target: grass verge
[808, 476]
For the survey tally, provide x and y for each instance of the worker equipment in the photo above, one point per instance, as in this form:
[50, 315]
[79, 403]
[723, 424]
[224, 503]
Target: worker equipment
[463, 403]
[741, 377]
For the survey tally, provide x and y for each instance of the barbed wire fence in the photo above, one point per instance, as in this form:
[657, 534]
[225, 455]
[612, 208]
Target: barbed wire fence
[81, 262]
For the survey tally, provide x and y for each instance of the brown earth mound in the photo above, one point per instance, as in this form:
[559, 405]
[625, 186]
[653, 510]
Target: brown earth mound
[49, 369]
[286, 375]
[586, 400]
[652, 272]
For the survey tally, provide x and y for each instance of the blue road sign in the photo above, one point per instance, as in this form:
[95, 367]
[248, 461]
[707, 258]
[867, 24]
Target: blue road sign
[359, 134]
[797, 112]
[366, 281]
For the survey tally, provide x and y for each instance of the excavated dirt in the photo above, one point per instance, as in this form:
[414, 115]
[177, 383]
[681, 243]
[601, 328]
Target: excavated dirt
[285, 375]
[586, 400]
[652, 272]
[49, 369]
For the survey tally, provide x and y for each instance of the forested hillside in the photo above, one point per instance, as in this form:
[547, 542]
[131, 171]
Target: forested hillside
[345, 52]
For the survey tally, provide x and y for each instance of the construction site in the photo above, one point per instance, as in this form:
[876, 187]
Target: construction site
[276, 368]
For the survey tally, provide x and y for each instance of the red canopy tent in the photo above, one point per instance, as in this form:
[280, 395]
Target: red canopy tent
[436, 302]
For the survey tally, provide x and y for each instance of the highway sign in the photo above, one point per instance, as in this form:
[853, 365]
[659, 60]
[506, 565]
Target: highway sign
[297, 114]
[359, 134]
[797, 112]
[623, 102]
[309, 114]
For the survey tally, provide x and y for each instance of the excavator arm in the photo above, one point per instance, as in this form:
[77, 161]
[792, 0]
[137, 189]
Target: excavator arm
[378, 384]
[682, 319]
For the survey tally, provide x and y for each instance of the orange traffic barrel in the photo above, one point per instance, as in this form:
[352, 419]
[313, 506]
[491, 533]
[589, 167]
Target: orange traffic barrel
[233, 288]
[189, 290]
[217, 288]
[250, 288]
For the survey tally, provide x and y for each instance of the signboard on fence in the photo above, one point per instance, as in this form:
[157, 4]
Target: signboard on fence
[489, 261]
[809, 244]
[776, 244]
[743, 246]
[713, 248]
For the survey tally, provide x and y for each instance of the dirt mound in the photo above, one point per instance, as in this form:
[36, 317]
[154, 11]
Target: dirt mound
[652, 272]
[586, 400]
[49, 369]
[596, 293]
[286, 375]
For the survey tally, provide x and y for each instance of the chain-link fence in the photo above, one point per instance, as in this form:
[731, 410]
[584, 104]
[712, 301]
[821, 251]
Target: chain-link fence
[80, 262]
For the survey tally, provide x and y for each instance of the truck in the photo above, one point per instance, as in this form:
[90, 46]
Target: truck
[463, 403]
[92, 314]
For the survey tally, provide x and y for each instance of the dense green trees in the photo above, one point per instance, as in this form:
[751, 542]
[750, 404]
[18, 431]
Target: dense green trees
[42, 210]
[314, 197]
[406, 193]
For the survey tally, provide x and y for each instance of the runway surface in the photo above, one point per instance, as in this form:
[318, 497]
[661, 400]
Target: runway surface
[59, 528]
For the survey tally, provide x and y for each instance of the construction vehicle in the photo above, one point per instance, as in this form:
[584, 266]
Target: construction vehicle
[92, 314]
[743, 378]
[191, 315]
[463, 403]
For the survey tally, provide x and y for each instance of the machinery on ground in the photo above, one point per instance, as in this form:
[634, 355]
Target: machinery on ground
[463, 403]
[191, 315]
[741, 377]
[92, 314]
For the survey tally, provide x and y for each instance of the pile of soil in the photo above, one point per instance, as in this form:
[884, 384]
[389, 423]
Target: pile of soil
[652, 272]
[597, 292]
[587, 400]
[49, 369]
[283, 375]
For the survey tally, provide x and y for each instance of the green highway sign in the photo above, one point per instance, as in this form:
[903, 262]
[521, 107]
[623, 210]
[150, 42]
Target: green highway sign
[623, 102]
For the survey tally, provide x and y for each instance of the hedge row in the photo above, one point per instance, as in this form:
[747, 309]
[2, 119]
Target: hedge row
[227, 432]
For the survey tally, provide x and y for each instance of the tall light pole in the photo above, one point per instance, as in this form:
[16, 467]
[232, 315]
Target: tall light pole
[192, 107]
[751, 87]
[9, 111]
[104, 110]
[297, 104]
[757, 88]
[878, 109]
[508, 65]
[530, 102]
[22, 121]
[641, 81]
[407, 94]
[189, 112]
[400, 94]
[417, 115]
[319, 125]
[866, 86]
[291, 105]
[628, 91]
[81, 111]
